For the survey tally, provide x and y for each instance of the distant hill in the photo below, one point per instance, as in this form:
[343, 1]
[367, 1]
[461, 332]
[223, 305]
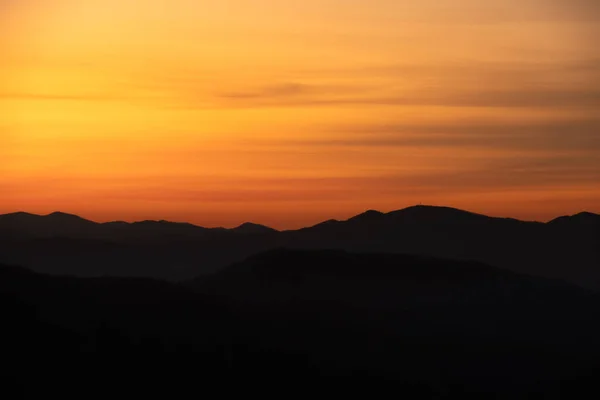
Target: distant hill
[583, 218]
[249, 228]
[61, 225]
[567, 247]
[55, 224]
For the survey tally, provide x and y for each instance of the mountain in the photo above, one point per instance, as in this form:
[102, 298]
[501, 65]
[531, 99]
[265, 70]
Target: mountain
[565, 248]
[295, 318]
[55, 224]
[367, 216]
[581, 219]
[61, 225]
[249, 228]
[542, 249]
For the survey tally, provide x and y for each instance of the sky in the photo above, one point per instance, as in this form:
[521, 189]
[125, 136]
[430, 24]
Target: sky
[289, 113]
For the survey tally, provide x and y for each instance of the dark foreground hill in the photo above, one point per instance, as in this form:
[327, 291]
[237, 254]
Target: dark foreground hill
[289, 320]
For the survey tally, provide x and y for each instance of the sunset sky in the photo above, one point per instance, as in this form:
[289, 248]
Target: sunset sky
[291, 112]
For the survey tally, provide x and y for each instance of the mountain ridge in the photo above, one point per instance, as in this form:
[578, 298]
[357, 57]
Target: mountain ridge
[566, 248]
[416, 210]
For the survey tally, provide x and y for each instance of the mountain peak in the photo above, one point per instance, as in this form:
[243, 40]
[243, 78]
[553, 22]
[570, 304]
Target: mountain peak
[60, 214]
[422, 209]
[368, 215]
[19, 214]
[438, 214]
[252, 228]
[61, 217]
[372, 213]
[583, 217]
[432, 208]
[586, 214]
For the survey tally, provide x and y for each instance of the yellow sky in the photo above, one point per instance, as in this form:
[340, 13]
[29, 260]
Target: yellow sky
[218, 112]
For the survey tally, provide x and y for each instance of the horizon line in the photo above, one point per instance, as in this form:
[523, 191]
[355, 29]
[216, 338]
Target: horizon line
[283, 230]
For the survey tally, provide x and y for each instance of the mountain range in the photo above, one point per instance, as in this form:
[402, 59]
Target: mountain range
[424, 302]
[567, 247]
[59, 224]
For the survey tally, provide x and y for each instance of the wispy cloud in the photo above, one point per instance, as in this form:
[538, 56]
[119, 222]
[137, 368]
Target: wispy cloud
[526, 173]
[476, 84]
[285, 90]
[580, 136]
[514, 97]
[60, 96]
[507, 11]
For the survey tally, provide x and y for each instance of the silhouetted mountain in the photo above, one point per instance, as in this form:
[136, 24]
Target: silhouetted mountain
[566, 248]
[583, 218]
[250, 228]
[434, 328]
[367, 216]
[61, 225]
[55, 224]
[529, 247]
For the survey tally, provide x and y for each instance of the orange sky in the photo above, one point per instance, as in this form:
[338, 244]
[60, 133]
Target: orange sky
[289, 113]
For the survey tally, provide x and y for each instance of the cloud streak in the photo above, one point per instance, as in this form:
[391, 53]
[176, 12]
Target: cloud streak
[578, 136]
[499, 85]
[508, 98]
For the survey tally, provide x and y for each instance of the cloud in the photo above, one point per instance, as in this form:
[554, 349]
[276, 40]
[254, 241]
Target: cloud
[582, 136]
[276, 91]
[514, 173]
[577, 10]
[477, 84]
[60, 97]
[578, 136]
[511, 11]
[541, 97]
[483, 175]
[520, 97]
